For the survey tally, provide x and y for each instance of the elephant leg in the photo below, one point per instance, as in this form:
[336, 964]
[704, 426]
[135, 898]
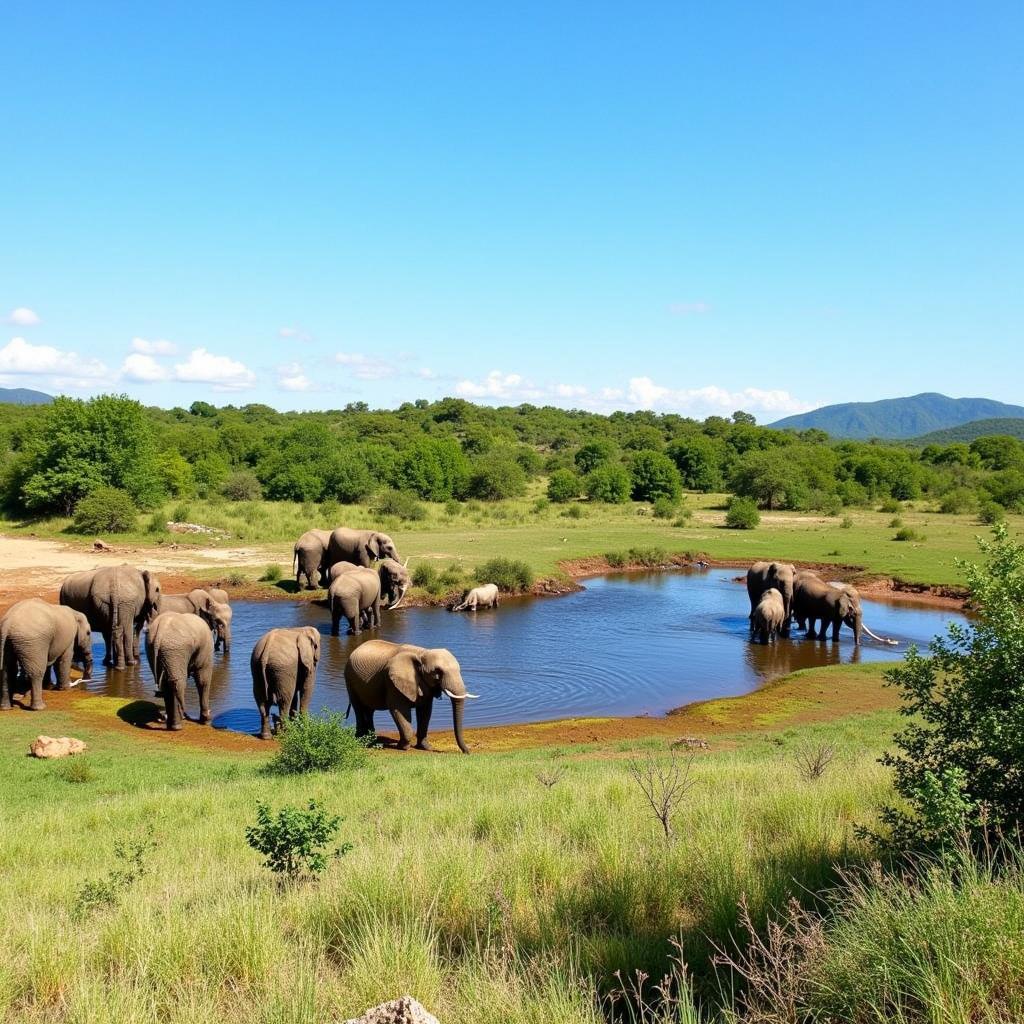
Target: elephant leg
[423, 709]
[264, 709]
[836, 623]
[401, 712]
[5, 689]
[353, 615]
[202, 679]
[62, 669]
[108, 645]
[35, 679]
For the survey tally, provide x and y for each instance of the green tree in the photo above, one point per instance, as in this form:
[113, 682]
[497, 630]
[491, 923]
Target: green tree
[611, 483]
[497, 475]
[771, 478]
[434, 469]
[594, 454]
[699, 460]
[654, 475]
[564, 485]
[959, 764]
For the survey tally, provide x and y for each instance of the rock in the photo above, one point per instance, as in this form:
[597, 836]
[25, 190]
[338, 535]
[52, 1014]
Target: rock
[100, 545]
[399, 1011]
[60, 746]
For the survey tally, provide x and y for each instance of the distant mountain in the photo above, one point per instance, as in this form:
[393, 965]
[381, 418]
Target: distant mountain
[976, 428]
[24, 396]
[899, 417]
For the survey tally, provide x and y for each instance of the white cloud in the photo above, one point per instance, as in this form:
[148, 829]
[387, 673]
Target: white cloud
[644, 393]
[158, 347]
[689, 308]
[508, 386]
[22, 316]
[425, 373]
[222, 372]
[20, 357]
[295, 333]
[292, 377]
[570, 391]
[143, 368]
[364, 367]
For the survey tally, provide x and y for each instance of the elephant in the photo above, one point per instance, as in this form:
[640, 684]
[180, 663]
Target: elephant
[485, 596]
[283, 667]
[309, 558]
[802, 574]
[360, 547]
[855, 620]
[814, 599]
[766, 620]
[117, 601]
[398, 677]
[179, 645]
[201, 602]
[34, 635]
[351, 595]
[762, 575]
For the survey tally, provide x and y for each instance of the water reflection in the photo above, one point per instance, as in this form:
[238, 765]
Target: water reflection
[627, 645]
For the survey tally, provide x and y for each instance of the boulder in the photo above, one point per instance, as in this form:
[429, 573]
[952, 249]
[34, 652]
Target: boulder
[399, 1011]
[55, 746]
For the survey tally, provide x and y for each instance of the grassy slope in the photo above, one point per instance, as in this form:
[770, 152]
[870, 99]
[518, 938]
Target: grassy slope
[515, 529]
[471, 884]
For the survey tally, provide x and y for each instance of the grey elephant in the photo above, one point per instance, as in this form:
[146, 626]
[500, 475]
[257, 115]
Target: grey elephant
[767, 619]
[117, 601]
[201, 602]
[485, 596]
[801, 575]
[180, 645]
[309, 558]
[283, 664]
[815, 600]
[34, 635]
[780, 575]
[395, 580]
[855, 620]
[355, 596]
[399, 677]
[360, 547]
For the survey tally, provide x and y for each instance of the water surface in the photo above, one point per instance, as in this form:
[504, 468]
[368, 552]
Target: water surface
[626, 645]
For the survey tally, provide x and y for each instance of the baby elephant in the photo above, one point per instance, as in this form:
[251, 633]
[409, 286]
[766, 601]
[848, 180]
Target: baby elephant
[283, 667]
[351, 595]
[35, 635]
[207, 604]
[768, 617]
[479, 597]
[179, 645]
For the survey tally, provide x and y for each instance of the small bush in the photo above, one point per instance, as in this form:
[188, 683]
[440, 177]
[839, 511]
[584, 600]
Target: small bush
[242, 485]
[271, 574]
[131, 856]
[846, 523]
[958, 501]
[573, 512]
[156, 524]
[609, 483]
[317, 743]
[181, 513]
[236, 578]
[76, 770]
[895, 523]
[105, 510]
[424, 575]
[684, 518]
[452, 508]
[991, 512]
[451, 576]
[664, 508]
[908, 533]
[616, 559]
[542, 504]
[648, 557]
[401, 505]
[742, 514]
[564, 485]
[294, 841]
[832, 505]
[889, 506]
[510, 575]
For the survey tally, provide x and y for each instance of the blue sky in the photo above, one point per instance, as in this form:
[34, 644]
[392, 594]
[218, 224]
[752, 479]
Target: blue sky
[679, 206]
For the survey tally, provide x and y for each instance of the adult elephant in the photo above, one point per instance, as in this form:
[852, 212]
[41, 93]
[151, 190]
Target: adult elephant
[309, 558]
[355, 596]
[762, 576]
[855, 619]
[180, 645]
[283, 665]
[34, 635]
[201, 602]
[399, 677]
[395, 580]
[815, 600]
[360, 547]
[117, 601]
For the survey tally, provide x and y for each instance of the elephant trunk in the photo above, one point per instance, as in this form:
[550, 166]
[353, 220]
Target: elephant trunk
[458, 706]
[401, 597]
[86, 660]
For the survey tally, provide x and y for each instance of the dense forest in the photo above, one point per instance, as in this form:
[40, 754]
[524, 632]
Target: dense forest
[54, 456]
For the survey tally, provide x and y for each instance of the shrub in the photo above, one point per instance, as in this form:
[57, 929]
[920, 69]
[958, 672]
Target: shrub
[573, 512]
[242, 485]
[105, 510]
[609, 483]
[654, 475]
[564, 485]
[846, 523]
[664, 508]
[294, 841]
[131, 856]
[76, 770]
[450, 577]
[236, 578]
[452, 508]
[497, 476]
[156, 524]
[895, 523]
[424, 575]
[684, 517]
[542, 504]
[181, 513]
[616, 559]
[509, 575]
[991, 512]
[742, 514]
[648, 557]
[908, 533]
[832, 505]
[889, 506]
[400, 504]
[958, 501]
[957, 762]
[317, 743]
[271, 574]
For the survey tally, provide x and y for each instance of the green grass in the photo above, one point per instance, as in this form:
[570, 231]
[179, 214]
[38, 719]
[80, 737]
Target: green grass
[542, 538]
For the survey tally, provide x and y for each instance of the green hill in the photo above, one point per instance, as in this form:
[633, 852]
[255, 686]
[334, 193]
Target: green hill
[899, 417]
[976, 428]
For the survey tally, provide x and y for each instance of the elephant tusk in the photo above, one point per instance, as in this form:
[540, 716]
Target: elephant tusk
[462, 696]
[406, 562]
[880, 639]
[401, 598]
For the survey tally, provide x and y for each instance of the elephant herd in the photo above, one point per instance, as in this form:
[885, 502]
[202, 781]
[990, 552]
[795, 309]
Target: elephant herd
[363, 575]
[780, 593]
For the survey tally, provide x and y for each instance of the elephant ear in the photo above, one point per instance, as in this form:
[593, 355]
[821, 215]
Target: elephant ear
[307, 658]
[372, 547]
[404, 673]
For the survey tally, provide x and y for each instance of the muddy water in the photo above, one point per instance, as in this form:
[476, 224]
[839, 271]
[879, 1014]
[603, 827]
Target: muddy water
[627, 645]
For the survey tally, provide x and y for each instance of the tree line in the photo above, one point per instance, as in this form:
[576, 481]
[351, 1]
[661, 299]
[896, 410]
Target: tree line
[55, 456]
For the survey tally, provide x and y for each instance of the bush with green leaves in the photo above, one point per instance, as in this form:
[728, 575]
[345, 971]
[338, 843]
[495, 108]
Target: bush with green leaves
[664, 508]
[400, 504]
[573, 512]
[650, 558]
[609, 483]
[957, 764]
[317, 743]
[908, 533]
[271, 574]
[991, 512]
[242, 485]
[654, 475]
[958, 501]
[105, 510]
[130, 856]
[564, 485]
[510, 575]
[890, 506]
[742, 514]
[295, 841]
[424, 575]
[617, 559]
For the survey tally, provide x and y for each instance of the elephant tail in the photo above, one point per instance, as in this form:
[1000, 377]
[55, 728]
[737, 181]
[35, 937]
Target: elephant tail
[295, 561]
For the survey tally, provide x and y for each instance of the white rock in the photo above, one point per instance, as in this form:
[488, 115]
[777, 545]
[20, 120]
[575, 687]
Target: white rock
[399, 1011]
